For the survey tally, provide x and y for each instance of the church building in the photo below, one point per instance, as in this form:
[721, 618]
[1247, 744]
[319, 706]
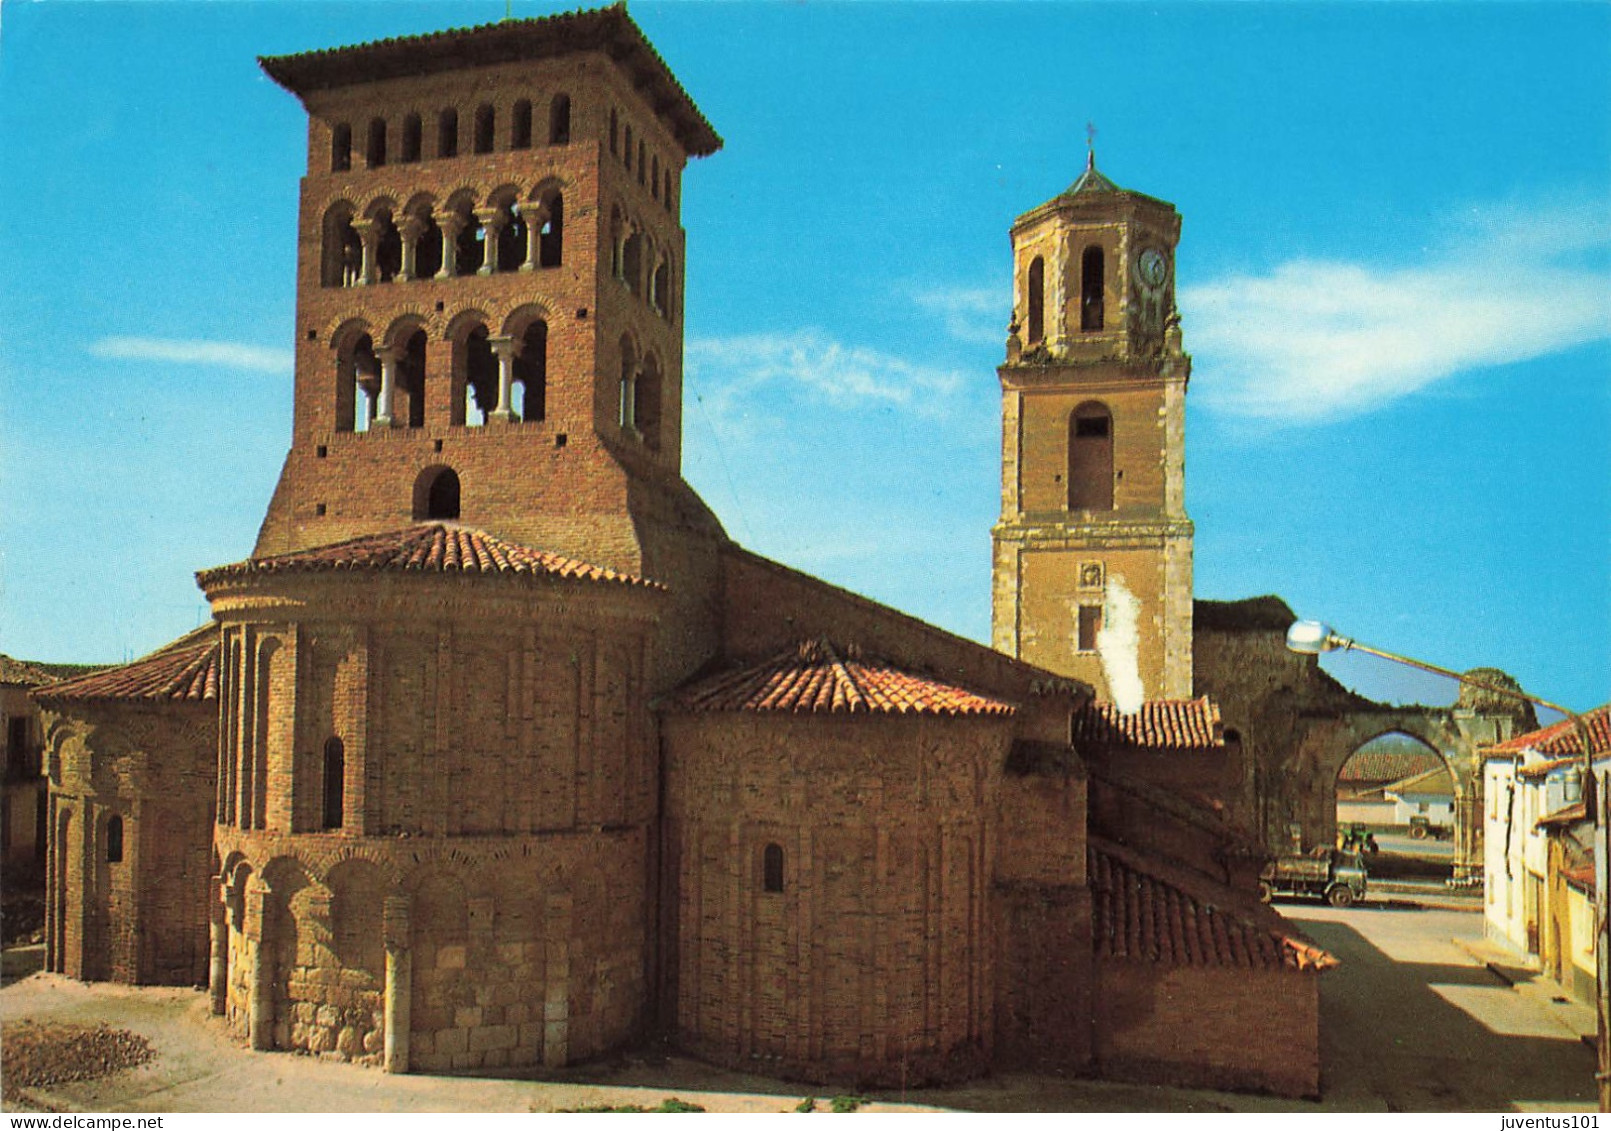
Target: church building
[499, 752]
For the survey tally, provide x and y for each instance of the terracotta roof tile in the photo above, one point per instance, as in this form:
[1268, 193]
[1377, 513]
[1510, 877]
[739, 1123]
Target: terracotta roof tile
[1139, 916]
[1544, 769]
[1582, 876]
[1571, 815]
[433, 547]
[1562, 738]
[814, 678]
[1387, 765]
[186, 670]
[1163, 724]
[21, 672]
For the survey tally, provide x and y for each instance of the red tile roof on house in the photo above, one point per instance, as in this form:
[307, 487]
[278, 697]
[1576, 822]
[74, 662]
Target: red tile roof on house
[1139, 916]
[21, 672]
[1162, 724]
[432, 547]
[187, 669]
[1562, 738]
[1387, 765]
[1544, 769]
[815, 678]
[1571, 815]
[1580, 877]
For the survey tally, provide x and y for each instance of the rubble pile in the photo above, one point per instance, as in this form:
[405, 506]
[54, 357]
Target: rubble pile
[44, 1055]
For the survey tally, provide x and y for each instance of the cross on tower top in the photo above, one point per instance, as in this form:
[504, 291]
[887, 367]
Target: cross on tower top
[1090, 145]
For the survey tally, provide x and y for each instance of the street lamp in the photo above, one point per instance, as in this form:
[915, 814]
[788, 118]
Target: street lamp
[1311, 638]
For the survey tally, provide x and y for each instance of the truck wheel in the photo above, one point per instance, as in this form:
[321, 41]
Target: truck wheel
[1266, 892]
[1417, 832]
[1340, 895]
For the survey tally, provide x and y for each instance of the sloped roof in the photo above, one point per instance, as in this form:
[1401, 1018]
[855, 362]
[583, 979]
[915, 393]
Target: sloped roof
[186, 670]
[1562, 738]
[431, 547]
[1139, 915]
[1437, 780]
[608, 29]
[816, 678]
[21, 672]
[1387, 765]
[1091, 180]
[1544, 769]
[1160, 724]
[1571, 815]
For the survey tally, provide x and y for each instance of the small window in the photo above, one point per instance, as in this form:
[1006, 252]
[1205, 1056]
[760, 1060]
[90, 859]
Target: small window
[1090, 627]
[447, 133]
[559, 120]
[436, 494]
[1036, 286]
[114, 839]
[335, 782]
[642, 163]
[484, 122]
[654, 179]
[626, 155]
[1090, 426]
[1091, 286]
[409, 149]
[341, 148]
[615, 127]
[520, 126]
[376, 153]
[772, 868]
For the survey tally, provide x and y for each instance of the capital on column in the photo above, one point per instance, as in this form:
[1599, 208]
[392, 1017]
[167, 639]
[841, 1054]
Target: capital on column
[450, 224]
[409, 231]
[369, 236]
[493, 221]
[504, 348]
[535, 215]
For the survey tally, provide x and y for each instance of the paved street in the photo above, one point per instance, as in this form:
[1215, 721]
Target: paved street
[1411, 1022]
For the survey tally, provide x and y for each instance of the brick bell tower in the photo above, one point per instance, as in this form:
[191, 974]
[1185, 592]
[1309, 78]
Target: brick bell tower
[1093, 552]
[489, 286]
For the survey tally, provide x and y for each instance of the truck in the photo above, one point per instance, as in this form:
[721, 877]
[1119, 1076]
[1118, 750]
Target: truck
[1334, 875]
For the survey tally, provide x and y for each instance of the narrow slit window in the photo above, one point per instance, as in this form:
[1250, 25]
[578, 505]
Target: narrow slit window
[335, 783]
[1090, 627]
[114, 840]
[772, 868]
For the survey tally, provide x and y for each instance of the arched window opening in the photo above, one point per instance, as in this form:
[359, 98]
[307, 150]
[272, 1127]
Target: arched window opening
[428, 248]
[1090, 627]
[531, 373]
[642, 162]
[341, 148]
[772, 868]
[357, 385]
[410, 392]
[629, 385]
[520, 125]
[632, 262]
[626, 149]
[388, 248]
[670, 204]
[551, 240]
[335, 782]
[1037, 300]
[559, 120]
[485, 120]
[654, 179]
[512, 242]
[1091, 284]
[436, 495]
[660, 289]
[615, 147]
[472, 245]
[375, 154]
[114, 839]
[447, 133]
[409, 149]
[1090, 458]
[480, 378]
[617, 244]
[342, 253]
[647, 402]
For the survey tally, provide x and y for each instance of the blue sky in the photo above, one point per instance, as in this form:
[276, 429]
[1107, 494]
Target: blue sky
[1395, 280]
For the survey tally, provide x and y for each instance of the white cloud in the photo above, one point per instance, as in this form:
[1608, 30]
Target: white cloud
[977, 315]
[181, 351]
[1318, 340]
[809, 364]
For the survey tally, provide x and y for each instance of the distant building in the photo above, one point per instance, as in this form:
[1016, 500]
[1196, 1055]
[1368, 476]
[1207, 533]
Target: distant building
[1539, 872]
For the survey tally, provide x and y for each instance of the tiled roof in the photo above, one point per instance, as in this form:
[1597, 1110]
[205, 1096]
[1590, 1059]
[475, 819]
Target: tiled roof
[1581, 876]
[607, 29]
[1162, 724]
[187, 669]
[1570, 815]
[1562, 738]
[815, 678]
[1437, 781]
[1387, 765]
[1544, 769]
[1141, 917]
[20, 672]
[433, 547]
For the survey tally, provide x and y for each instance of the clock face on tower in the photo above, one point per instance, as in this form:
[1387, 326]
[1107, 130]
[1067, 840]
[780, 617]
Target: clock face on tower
[1152, 269]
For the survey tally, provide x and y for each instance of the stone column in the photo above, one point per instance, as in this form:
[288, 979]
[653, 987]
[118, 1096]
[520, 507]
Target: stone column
[503, 347]
[535, 215]
[492, 223]
[260, 1000]
[369, 236]
[389, 356]
[451, 224]
[399, 982]
[409, 232]
[218, 966]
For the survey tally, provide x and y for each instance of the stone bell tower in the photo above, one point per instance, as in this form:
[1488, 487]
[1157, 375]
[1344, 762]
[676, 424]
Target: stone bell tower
[1093, 551]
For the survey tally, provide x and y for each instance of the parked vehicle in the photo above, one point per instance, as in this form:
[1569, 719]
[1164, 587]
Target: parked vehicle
[1336, 876]
[1422, 827]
